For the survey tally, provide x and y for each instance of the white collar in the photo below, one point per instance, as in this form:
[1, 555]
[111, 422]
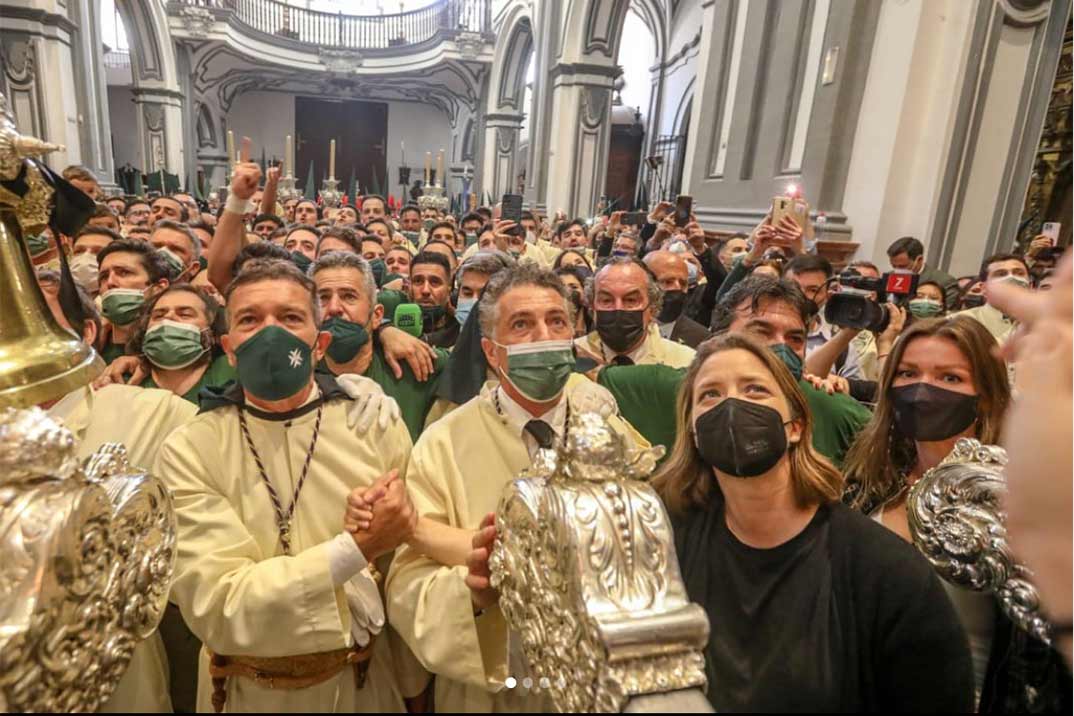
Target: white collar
[516, 417]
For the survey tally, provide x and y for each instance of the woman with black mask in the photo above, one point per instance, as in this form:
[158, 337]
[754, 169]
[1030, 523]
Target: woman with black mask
[812, 607]
[574, 278]
[941, 383]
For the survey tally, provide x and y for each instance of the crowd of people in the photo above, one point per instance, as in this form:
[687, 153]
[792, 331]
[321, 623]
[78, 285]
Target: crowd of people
[337, 396]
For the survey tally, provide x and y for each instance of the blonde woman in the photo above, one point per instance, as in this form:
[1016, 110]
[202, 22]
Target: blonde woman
[812, 607]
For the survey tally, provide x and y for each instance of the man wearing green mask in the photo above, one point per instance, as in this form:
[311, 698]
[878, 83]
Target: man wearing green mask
[130, 271]
[265, 576]
[430, 288]
[458, 470]
[176, 336]
[180, 247]
[346, 292]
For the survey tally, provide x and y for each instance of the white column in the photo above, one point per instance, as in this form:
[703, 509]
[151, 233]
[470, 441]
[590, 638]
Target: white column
[499, 168]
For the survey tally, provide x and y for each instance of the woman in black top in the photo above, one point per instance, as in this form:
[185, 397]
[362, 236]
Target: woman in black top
[812, 607]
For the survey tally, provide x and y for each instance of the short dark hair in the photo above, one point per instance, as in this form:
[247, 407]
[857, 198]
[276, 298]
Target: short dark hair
[303, 227]
[378, 197]
[445, 225]
[135, 202]
[309, 201]
[258, 270]
[756, 289]
[906, 245]
[473, 216]
[431, 257]
[268, 217]
[215, 316]
[389, 227]
[152, 263]
[371, 238]
[409, 207]
[528, 215]
[564, 225]
[101, 209]
[259, 250]
[344, 234]
[97, 231]
[943, 291]
[996, 258]
[559, 259]
[807, 263]
[78, 172]
[195, 243]
[207, 228]
[184, 213]
[485, 212]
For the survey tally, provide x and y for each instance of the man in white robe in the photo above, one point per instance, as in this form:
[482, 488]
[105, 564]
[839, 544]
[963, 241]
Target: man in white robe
[285, 602]
[458, 470]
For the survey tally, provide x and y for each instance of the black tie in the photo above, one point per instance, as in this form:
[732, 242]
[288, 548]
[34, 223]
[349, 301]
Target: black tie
[541, 432]
[623, 360]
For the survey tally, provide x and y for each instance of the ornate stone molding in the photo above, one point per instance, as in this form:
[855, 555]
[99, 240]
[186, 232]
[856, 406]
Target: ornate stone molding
[197, 20]
[470, 44]
[340, 62]
[588, 578]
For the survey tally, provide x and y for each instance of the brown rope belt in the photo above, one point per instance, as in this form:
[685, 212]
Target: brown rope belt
[288, 672]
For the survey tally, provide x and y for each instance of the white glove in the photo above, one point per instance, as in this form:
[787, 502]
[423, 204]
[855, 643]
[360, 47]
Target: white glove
[370, 403]
[588, 397]
[363, 602]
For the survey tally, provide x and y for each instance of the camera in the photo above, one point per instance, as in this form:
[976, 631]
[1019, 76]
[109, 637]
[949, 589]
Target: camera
[852, 307]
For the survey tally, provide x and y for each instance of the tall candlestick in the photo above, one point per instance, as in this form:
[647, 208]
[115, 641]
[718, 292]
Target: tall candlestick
[428, 166]
[440, 168]
[332, 159]
[230, 151]
[289, 158]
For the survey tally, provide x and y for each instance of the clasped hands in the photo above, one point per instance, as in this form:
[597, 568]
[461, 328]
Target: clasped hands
[380, 517]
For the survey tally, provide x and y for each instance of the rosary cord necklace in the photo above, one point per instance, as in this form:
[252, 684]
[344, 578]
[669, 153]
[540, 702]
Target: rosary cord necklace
[283, 519]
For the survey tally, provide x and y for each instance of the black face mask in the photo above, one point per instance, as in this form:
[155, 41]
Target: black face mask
[620, 330]
[973, 300]
[741, 438]
[674, 301]
[928, 413]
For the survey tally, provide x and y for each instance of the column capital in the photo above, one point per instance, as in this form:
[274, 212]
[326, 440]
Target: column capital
[504, 119]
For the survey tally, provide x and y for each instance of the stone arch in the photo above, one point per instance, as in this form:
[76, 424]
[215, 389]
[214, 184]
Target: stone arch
[152, 59]
[504, 109]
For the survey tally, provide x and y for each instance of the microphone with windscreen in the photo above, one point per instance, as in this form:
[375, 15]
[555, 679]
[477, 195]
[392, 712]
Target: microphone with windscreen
[408, 319]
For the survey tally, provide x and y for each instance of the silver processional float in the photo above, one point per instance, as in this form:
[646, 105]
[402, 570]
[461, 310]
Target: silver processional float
[86, 548]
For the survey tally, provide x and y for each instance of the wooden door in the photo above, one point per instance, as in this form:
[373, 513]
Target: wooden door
[361, 132]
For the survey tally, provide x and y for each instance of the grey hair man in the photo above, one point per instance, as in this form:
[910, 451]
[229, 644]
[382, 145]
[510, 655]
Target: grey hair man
[626, 301]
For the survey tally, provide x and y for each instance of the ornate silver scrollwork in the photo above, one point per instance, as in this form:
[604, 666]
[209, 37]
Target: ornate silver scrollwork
[86, 559]
[957, 521]
[588, 578]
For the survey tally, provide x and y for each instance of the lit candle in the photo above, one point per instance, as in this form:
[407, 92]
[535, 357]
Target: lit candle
[428, 166]
[230, 151]
[440, 168]
[332, 159]
[289, 158]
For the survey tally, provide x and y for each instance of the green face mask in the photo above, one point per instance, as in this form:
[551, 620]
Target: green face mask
[203, 262]
[347, 338]
[411, 236]
[172, 345]
[428, 225]
[539, 371]
[273, 364]
[38, 244]
[789, 358]
[379, 268]
[471, 239]
[301, 260]
[925, 308]
[122, 305]
[173, 261]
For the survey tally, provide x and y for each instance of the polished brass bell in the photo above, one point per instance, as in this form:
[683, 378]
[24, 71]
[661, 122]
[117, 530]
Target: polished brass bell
[39, 359]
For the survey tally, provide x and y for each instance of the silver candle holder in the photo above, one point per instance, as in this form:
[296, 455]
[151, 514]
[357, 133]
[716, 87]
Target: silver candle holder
[330, 193]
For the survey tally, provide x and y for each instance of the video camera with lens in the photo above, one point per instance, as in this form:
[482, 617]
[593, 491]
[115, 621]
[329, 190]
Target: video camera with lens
[853, 307]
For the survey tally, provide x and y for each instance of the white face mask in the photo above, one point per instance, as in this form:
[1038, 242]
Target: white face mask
[531, 237]
[84, 269]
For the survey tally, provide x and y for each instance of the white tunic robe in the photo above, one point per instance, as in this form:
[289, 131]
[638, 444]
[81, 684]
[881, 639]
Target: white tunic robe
[458, 470]
[237, 590]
